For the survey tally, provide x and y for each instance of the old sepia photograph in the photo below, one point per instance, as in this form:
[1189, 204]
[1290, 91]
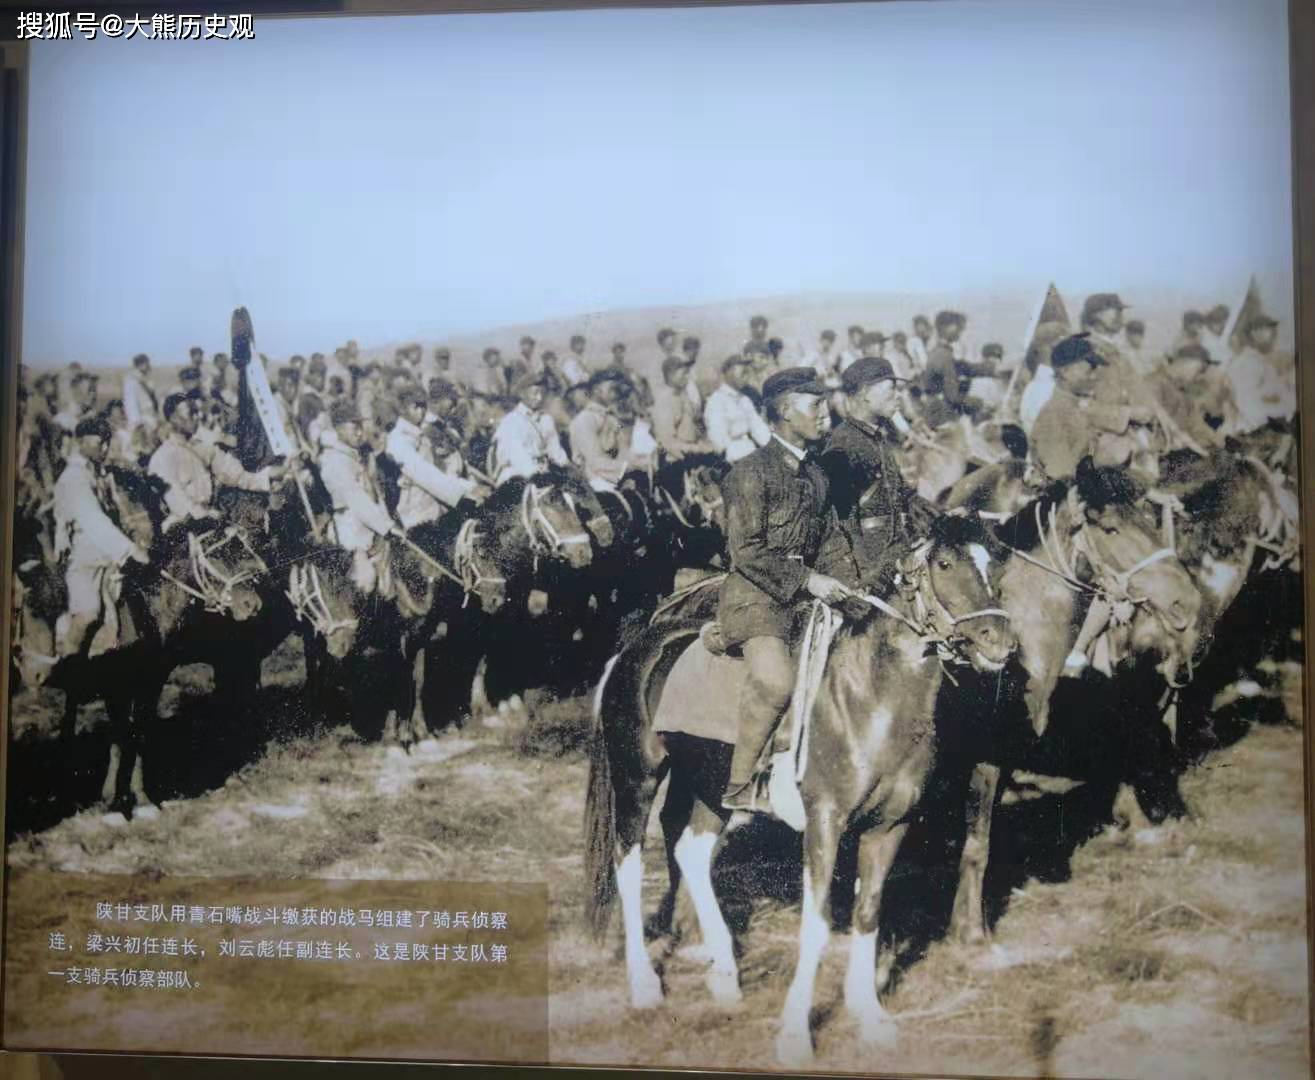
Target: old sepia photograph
[736, 537]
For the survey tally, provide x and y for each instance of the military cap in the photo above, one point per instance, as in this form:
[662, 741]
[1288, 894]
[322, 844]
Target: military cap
[874, 337]
[1135, 326]
[690, 342]
[795, 380]
[290, 374]
[1259, 322]
[577, 337]
[196, 350]
[411, 395]
[664, 334]
[758, 320]
[139, 359]
[828, 335]
[618, 346]
[603, 375]
[675, 363]
[900, 338]
[529, 379]
[921, 320]
[1098, 302]
[1073, 350]
[1193, 351]
[1219, 311]
[296, 360]
[442, 352]
[865, 372]
[224, 357]
[855, 329]
[440, 388]
[1192, 318]
[949, 318]
[993, 349]
[526, 339]
[734, 360]
[344, 412]
[491, 351]
[93, 427]
[189, 374]
[317, 363]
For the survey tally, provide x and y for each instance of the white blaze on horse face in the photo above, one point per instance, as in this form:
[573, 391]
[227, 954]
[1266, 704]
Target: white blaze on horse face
[1220, 577]
[694, 855]
[982, 560]
[645, 986]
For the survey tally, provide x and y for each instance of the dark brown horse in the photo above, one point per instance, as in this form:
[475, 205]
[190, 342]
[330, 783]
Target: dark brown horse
[872, 744]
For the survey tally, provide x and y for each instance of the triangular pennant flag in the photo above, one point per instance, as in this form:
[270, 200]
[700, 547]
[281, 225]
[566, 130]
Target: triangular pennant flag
[1051, 309]
[1243, 313]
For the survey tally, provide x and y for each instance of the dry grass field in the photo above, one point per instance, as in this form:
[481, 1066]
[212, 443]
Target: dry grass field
[1167, 952]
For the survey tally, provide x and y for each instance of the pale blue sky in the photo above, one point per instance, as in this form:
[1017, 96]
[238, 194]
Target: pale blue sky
[403, 177]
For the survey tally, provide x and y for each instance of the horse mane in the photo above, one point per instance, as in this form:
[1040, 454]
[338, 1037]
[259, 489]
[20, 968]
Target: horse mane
[1101, 487]
[956, 530]
[703, 460]
[1022, 531]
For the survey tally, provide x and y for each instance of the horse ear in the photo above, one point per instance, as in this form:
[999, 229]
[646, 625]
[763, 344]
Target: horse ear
[1015, 440]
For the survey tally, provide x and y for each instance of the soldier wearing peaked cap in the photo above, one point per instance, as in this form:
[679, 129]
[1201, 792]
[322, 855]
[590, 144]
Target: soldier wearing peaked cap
[878, 512]
[360, 518]
[526, 440]
[1262, 378]
[778, 519]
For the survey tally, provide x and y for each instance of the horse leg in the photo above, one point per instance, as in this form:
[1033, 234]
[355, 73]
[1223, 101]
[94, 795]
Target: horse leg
[695, 854]
[968, 921]
[677, 809]
[632, 819]
[876, 853]
[419, 729]
[794, 1042]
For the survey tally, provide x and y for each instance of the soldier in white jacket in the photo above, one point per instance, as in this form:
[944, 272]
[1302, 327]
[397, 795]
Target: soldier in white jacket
[526, 440]
[194, 468]
[733, 424]
[425, 490]
[95, 545]
[360, 518]
[141, 404]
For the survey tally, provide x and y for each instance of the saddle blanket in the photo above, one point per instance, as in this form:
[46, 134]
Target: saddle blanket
[701, 696]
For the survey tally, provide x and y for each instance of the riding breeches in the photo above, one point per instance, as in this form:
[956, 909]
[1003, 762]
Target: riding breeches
[763, 698]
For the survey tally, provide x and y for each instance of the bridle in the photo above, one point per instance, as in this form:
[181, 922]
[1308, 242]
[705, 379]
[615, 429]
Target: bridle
[464, 556]
[545, 537]
[307, 596]
[933, 622]
[212, 585]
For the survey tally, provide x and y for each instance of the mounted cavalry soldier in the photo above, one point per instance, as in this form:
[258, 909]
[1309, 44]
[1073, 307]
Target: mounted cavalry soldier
[192, 468]
[360, 518]
[425, 491]
[597, 441]
[85, 532]
[778, 519]
[734, 426]
[526, 441]
[677, 413]
[1262, 380]
[877, 510]
[141, 405]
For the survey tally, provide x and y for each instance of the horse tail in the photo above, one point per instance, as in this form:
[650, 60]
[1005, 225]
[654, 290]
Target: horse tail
[600, 818]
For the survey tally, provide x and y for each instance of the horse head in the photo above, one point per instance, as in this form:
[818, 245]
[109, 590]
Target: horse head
[950, 577]
[1152, 592]
[323, 594]
[691, 490]
[588, 506]
[550, 518]
[217, 566]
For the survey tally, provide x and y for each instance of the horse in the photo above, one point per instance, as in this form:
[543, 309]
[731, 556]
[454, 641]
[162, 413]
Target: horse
[688, 502]
[872, 744]
[1071, 545]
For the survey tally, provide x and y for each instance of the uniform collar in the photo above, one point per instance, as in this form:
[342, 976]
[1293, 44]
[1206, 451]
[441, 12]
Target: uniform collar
[881, 428]
[794, 451]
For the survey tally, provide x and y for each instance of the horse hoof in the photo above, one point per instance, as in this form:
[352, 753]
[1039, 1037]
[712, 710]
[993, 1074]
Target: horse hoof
[148, 812]
[646, 993]
[395, 753]
[114, 819]
[878, 1033]
[724, 986]
[794, 1049]
[427, 746]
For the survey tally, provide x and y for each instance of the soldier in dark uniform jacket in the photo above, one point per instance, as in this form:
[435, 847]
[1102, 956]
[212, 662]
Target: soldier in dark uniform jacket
[779, 522]
[877, 510]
